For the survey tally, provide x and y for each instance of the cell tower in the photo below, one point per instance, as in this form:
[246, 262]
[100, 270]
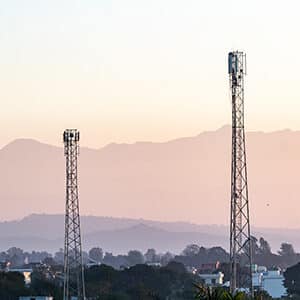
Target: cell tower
[240, 238]
[73, 265]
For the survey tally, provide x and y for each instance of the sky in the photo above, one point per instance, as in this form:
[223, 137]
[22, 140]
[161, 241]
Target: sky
[136, 70]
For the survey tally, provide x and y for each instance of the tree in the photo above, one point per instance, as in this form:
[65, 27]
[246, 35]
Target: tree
[191, 250]
[49, 261]
[292, 279]
[264, 247]
[135, 257]
[59, 256]
[176, 267]
[16, 256]
[12, 285]
[166, 258]
[207, 293]
[254, 246]
[139, 282]
[36, 256]
[96, 254]
[286, 249]
[15, 251]
[150, 255]
[42, 284]
[217, 254]
[262, 295]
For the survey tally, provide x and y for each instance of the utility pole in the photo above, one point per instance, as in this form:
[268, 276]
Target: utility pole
[73, 265]
[240, 237]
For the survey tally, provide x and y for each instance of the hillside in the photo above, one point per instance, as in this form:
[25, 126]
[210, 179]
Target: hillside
[118, 235]
[187, 179]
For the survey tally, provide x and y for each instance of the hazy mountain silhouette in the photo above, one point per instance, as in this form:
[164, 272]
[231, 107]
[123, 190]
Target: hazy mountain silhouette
[45, 232]
[183, 179]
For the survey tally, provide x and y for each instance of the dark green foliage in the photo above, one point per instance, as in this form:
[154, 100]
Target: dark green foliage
[262, 254]
[140, 282]
[175, 267]
[292, 280]
[41, 285]
[262, 295]
[135, 257]
[207, 293]
[99, 279]
[194, 255]
[96, 254]
[12, 285]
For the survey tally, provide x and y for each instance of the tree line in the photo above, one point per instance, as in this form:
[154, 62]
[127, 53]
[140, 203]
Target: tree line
[106, 283]
[192, 256]
[129, 277]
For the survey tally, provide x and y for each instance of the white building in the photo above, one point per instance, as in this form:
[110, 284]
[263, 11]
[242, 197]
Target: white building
[270, 281]
[154, 264]
[257, 280]
[212, 279]
[273, 284]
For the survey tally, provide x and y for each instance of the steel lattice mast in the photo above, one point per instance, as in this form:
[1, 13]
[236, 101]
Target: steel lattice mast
[73, 265]
[240, 238]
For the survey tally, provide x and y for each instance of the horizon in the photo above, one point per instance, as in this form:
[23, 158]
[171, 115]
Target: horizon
[146, 220]
[25, 233]
[60, 144]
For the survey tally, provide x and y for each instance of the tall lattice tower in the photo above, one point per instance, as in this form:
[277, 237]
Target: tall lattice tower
[73, 265]
[240, 238]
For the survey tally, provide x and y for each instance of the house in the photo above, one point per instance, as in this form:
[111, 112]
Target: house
[26, 273]
[213, 279]
[270, 281]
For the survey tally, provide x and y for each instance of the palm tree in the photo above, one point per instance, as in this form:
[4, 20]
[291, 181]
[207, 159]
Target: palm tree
[208, 293]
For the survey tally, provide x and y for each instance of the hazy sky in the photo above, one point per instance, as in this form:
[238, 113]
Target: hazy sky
[127, 70]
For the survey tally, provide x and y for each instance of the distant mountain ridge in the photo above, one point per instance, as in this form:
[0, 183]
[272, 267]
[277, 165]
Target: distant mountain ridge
[182, 179]
[117, 235]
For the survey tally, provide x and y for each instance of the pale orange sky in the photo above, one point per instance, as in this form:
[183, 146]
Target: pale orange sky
[123, 71]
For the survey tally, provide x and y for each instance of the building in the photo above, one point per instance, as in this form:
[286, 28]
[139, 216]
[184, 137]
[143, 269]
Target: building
[209, 267]
[273, 283]
[257, 280]
[192, 270]
[213, 279]
[26, 273]
[36, 298]
[270, 281]
[154, 264]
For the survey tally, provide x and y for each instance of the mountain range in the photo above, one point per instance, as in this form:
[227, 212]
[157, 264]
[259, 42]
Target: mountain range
[186, 179]
[119, 235]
